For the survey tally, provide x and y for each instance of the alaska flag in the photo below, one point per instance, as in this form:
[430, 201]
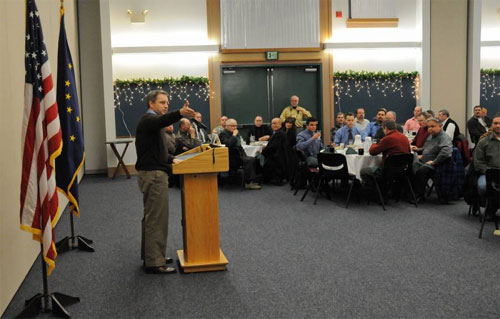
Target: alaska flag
[72, 157]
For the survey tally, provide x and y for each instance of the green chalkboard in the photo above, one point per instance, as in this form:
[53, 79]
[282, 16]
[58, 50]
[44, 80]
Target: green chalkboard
[248, 91]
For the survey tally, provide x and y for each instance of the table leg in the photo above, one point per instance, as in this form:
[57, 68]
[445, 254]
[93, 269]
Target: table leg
[120, 160]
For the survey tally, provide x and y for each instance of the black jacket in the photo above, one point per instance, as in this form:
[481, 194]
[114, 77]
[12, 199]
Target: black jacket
[236, 152]
[476, 129]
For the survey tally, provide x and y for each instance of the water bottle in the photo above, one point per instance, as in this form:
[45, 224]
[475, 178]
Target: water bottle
[252, 139]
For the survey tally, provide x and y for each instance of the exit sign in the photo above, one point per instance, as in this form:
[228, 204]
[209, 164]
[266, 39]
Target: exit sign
[272, 55]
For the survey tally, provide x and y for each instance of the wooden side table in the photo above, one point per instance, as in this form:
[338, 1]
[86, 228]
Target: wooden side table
[118, 156]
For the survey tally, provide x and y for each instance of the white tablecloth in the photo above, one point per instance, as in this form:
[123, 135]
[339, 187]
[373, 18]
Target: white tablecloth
[252, 150]
[356, 162]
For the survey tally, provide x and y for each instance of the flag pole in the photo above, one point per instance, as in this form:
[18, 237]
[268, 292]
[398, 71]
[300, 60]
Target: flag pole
[74, 242]
[40, 302]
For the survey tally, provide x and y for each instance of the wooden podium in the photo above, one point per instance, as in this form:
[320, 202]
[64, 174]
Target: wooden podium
[200, 210]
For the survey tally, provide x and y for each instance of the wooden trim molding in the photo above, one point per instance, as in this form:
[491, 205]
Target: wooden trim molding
[373, 23]
[261, 50]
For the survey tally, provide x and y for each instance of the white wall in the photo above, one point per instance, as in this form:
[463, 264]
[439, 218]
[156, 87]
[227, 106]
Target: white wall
[490, 20]
[168, 23]
[390, 59]
[17, 249]
[407, 30]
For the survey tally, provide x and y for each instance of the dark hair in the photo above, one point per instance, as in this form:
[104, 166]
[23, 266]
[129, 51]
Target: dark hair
[340, 113]
[389, 124]
[382, 110]
[478, 106]
[311, 119]
[151, 97]
[290, 120]
[359, 108]
[444, 112]
[426, 114]
[349, 114]
[431, 112]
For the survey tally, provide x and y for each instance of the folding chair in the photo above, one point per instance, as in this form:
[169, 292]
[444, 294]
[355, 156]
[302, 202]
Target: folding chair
[492, 195]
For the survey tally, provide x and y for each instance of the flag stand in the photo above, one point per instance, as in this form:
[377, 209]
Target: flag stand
[68, 243]
[40, 302]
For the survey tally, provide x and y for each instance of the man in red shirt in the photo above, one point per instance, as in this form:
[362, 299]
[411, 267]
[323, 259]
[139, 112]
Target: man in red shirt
[394, 142]
[418, 142]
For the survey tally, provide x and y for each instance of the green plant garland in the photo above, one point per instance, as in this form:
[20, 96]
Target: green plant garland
[490, 71]
[366, 75]
[165, 81]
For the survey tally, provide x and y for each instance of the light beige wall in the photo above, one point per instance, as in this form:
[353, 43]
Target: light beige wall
[17, 250]
[449, 58]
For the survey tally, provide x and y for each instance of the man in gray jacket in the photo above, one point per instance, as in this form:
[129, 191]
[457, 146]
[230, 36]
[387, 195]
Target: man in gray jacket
[437, 148]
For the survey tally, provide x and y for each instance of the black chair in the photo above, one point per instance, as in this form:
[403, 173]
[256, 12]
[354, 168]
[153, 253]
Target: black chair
[238, 172]
[492, 196]
[397, 169]
[332, 166]
[301, 174]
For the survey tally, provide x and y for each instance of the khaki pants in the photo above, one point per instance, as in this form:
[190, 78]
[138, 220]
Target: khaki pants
[154, 187]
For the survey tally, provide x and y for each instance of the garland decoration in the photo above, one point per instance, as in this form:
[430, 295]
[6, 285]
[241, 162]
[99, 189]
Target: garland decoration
[490, 83]
[178, 88]
[352, 82]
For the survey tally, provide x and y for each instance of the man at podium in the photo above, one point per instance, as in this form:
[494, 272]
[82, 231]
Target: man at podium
[152, 163]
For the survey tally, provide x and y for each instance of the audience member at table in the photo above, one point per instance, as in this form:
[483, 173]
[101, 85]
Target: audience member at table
[237, 157]
[170, 146]
[393, 142]
[339, 122]
[373, 127]
[348, 132]
[361, 123]
[200, 129]
[477, 125]
[390, 115]
[449, 126]
[486, 156]
[222, 125]
[186, 137]
[309, 141]
[418, 141]
[437, 149]
[485, 115]
[412, 125]
[259, 131]
[291, 133]
[295, 111]
[276, 155]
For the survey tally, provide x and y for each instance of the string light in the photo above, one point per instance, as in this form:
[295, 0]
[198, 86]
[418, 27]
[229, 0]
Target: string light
[490, 84]
[384, 82]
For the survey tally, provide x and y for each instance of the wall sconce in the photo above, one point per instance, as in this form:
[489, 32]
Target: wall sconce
[137, 17]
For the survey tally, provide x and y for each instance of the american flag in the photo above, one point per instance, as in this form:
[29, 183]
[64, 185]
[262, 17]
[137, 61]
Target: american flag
[42, 141]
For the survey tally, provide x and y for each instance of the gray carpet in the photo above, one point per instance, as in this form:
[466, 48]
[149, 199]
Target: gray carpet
[287, 259]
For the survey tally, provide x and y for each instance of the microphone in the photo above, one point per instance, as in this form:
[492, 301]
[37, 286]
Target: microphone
[199, 124]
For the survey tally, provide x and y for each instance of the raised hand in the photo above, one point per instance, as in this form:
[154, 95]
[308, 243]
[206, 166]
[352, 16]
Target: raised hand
[186, 111]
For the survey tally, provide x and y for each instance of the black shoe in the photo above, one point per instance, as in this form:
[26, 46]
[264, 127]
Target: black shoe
[160, 270]
[168, 260]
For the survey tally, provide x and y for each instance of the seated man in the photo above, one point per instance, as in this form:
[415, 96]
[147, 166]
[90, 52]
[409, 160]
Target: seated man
[373, 127]
[477, 125]
[361, 123]
[339, 122]
[309, 141]
[258, 131]
[200, 130]
[437, 149]
[185, 139]
[347, 133]
[487, 155]
[393, 142]
[276, 155]
[237, 157]
[295, 111]
[222, 125]
[449, 126]
[390, 115]
[417, 144]
[412, 124]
